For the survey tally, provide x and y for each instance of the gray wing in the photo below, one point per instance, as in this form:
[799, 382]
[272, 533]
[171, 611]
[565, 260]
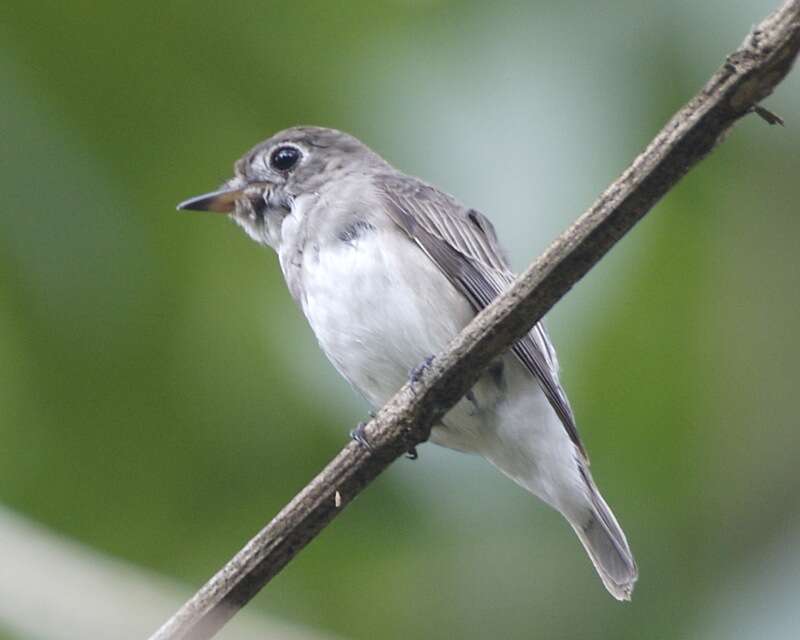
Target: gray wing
[463, 243]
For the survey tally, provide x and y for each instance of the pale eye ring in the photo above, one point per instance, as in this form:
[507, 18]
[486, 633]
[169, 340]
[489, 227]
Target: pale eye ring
[284, 158]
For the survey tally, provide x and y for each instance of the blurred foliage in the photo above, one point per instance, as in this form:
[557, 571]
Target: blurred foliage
[161, 398]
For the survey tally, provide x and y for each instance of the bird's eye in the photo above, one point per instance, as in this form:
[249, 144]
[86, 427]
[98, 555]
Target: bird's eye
[284, 158]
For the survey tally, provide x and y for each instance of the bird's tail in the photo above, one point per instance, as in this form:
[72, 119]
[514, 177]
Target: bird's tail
[546, 463]
[605, 542]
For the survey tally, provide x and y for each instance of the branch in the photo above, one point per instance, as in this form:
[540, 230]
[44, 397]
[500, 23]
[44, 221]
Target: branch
[747, 77]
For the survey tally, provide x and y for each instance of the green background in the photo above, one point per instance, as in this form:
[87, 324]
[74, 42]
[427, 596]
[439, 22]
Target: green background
[161, 398]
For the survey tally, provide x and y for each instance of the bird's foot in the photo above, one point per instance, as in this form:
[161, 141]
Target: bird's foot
[360, 436]
[416, 373]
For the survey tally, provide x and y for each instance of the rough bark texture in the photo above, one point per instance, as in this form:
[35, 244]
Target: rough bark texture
[747, 77]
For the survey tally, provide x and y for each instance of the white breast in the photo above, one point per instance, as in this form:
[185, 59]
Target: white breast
[377, 304]
[378, 307]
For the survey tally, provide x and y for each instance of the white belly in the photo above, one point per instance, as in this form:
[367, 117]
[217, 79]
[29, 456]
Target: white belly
[379, 307]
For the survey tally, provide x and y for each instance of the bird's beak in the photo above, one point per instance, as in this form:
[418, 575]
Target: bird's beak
[222, 201]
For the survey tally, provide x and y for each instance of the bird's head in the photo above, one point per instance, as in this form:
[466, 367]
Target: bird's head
[274, 174]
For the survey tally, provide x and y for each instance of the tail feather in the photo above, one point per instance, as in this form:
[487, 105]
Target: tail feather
[605, 542]
[545, 462]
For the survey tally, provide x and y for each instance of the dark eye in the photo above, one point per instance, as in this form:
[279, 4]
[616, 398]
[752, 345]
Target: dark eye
[284, 158]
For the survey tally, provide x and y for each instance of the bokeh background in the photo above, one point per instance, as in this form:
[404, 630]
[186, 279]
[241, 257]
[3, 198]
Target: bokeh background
[161, 398]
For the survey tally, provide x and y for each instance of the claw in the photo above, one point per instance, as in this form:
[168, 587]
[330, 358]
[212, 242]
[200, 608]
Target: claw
[412, 454]
[416, 372]
[360, 437]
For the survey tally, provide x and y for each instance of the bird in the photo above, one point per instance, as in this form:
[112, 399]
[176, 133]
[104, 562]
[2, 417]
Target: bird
[387, 269]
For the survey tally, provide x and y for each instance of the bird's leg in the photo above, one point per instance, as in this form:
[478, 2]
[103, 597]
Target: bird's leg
[415, 375]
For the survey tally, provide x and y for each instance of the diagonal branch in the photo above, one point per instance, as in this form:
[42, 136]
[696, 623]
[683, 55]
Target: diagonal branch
[747, 77]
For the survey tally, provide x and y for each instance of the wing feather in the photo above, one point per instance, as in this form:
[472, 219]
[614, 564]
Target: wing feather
[464, 245]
